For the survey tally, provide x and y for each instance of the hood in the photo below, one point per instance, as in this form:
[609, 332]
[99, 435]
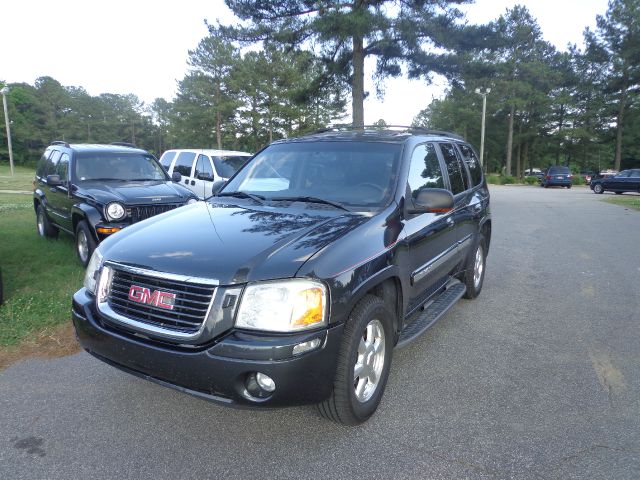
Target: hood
[229, 243]
[136, 193]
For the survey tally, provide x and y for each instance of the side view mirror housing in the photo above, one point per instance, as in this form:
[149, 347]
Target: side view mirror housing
[432, 200]
[54, 180]
[176, 177]
[217, 186]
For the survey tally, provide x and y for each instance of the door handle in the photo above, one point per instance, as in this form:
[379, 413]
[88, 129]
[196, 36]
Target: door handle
[186, 181]
[450, 220]
[193, 182]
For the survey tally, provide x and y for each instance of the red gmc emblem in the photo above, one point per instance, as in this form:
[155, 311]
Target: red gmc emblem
[156, 298]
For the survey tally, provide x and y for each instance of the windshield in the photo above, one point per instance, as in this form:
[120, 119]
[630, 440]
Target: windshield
[227, 166]
[347, 173]
[117, 166]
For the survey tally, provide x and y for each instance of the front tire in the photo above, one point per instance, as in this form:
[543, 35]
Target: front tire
[597, 188]
[43, 226]
[85, 244]
[364, 361]
[475, 268]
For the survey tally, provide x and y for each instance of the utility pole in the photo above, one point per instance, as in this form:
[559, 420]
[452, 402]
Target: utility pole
[484, 94]
[4, 92]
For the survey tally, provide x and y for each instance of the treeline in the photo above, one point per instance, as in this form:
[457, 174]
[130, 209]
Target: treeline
[289, 67]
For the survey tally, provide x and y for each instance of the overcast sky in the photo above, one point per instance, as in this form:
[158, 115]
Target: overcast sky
[141, 46]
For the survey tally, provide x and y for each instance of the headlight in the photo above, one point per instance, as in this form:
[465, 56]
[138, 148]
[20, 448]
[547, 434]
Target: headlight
[192, 200]
[283, 306]
[93, 270]
[115, 211]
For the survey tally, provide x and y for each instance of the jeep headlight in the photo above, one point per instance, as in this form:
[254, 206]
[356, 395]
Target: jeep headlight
[93, 271]
[283, 306]
[115, 211]
[192, 200]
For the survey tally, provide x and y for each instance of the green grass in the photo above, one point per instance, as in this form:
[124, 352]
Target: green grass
[625, 200]
[22, 178]
[39, 275]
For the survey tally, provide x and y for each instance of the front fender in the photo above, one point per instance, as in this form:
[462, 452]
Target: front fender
[82, 211]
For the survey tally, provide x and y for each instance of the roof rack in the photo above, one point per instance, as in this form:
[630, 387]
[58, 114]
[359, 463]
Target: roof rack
[400, 128]
[60, 142]
[123, 144]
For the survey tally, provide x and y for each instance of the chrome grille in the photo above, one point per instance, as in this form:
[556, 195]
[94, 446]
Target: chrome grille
[142, 212]
[190, 308]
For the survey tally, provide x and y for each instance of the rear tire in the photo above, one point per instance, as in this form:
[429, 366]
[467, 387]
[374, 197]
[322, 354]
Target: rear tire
[363, 363]
[43, 226]
[85, 244]
[568, 186]
[474, 269]
[618, 193]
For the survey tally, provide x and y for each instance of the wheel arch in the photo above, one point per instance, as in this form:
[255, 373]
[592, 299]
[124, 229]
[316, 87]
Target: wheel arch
[86, 212]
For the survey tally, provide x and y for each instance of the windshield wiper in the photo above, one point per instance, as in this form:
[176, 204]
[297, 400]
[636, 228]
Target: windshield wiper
[239, 194]
[312, 200]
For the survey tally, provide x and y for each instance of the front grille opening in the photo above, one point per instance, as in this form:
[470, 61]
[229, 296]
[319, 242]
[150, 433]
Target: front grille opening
[142, 212]
[190, 306]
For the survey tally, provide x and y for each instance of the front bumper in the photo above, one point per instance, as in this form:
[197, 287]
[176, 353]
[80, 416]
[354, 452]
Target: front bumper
[219, 371]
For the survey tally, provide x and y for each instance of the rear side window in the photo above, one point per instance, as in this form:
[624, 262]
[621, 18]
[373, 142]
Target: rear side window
[62, 168]
[635, 174]
[184, 163]
[166, 159]
[558, 170]
[472, 164]
[457, 176]
[203, 168]
[227, 166]
[424, 171]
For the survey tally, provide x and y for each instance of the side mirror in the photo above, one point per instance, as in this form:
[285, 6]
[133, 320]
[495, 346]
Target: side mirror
[433, 200]
[217, 186]
[54, 180]
[176, 177]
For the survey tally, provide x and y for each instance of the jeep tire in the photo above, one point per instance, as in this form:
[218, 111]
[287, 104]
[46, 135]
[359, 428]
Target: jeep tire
[44, 227]
[364, 361]
[85, 244]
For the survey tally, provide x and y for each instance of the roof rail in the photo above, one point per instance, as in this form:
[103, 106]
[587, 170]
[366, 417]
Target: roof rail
[400, 128]
[60, 142]
[124, 144]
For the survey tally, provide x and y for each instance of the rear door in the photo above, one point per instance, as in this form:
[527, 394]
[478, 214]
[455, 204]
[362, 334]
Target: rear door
[202, 176]
[185, 165]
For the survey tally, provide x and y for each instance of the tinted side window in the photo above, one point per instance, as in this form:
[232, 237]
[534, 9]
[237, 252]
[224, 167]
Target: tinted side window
[203, 168]
[424, 170]
[472, 164]
[42, 163]
[184, 163]
[456, 175]
[166, 159]
[52, 163]
[62, 168]
[635, 173]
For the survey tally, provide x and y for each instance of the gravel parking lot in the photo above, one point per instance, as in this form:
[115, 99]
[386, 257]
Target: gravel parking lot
[537, 378]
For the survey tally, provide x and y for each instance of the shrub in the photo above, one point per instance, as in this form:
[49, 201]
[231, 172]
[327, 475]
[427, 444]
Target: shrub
[577, 180]
[531, 180]
[508, 180]
[493, 179]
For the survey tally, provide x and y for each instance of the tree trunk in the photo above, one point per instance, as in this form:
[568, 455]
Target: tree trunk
[218, 117]
[560, 126]
[357, 89]
[623, 100]
[510, 139]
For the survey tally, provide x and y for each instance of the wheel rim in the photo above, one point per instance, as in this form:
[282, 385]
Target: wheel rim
[40, 223]
[597, 188]
[478, 267]
[370, 362]
[83, 246]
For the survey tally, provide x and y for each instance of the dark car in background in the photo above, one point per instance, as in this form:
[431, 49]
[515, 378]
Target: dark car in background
[294, 283]
[94, 191]
[625, 181]
[557, 176]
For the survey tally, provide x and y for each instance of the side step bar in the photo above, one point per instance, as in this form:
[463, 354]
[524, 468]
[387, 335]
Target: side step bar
[431, 314]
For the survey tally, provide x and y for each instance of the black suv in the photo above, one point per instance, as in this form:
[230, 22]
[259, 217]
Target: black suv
[294, 283]
[93, 191]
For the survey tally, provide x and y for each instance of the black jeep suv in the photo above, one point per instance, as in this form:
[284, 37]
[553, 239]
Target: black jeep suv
[296, 280]
[93, 191]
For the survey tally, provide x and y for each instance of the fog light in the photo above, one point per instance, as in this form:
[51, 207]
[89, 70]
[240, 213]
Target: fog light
[306, 346]
[259, 386]
[265, 382]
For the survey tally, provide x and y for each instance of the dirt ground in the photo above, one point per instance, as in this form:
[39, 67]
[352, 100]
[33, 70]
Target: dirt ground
[50, 343]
